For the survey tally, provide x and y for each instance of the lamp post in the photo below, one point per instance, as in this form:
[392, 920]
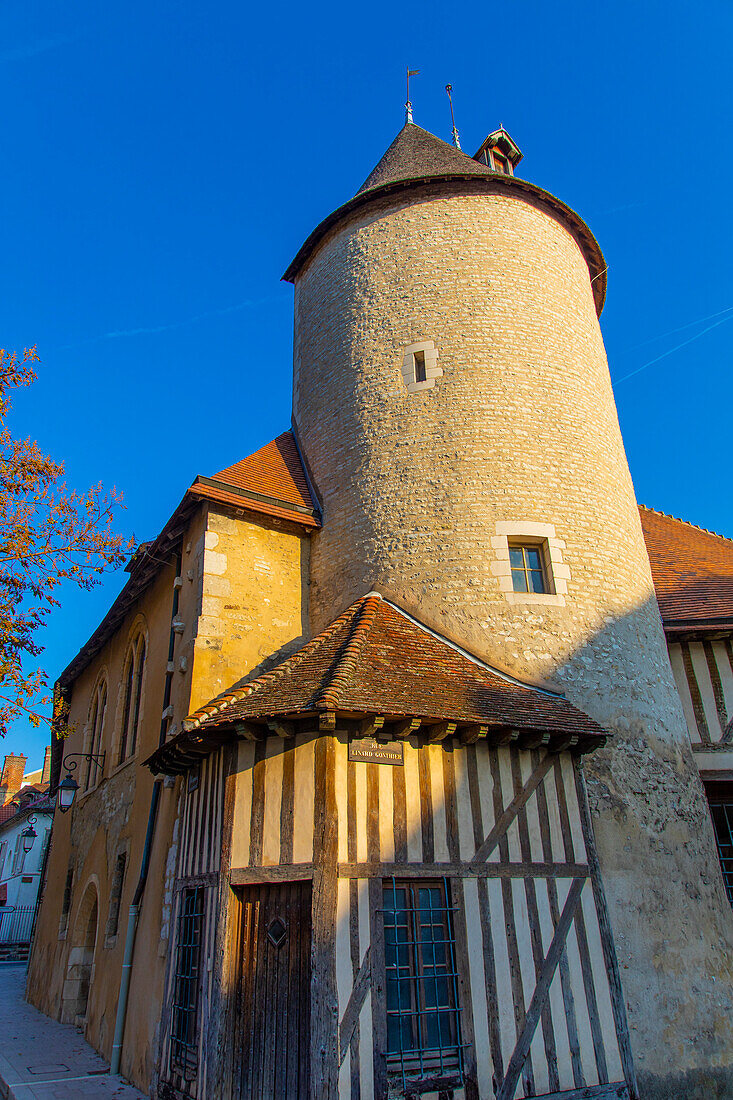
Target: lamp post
[67, 788]
[29, 834]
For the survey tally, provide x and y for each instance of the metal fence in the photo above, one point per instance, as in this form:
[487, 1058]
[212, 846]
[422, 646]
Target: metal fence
[16, 923]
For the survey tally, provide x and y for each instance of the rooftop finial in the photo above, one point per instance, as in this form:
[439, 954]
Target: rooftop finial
[408, 104]
[456, 139]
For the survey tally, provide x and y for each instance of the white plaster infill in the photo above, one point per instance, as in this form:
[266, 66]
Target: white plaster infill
[432, 370]
[716, 760]
[556, 571]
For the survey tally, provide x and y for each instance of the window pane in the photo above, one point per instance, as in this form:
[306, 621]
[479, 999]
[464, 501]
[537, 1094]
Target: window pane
[534, 559]
[516, 559]
[536, 581]
[519, 579]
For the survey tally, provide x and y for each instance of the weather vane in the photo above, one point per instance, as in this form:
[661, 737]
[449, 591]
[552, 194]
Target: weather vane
[408, 104]
[456, 139]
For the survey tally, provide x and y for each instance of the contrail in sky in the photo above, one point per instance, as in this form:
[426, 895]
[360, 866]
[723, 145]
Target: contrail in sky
[42, 45]
[115, 334]
[625, 377]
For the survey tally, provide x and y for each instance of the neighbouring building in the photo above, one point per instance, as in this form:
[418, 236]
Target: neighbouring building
[392, 783]
[25, 829]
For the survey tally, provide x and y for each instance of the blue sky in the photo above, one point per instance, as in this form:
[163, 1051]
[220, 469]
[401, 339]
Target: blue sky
[163, 163]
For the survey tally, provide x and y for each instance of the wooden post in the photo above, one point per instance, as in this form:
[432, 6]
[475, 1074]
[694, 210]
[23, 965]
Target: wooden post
[324, 1065]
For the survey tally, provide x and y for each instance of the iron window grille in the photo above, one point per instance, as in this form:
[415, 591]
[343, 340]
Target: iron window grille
[721, 811]
[424, 1048]
[184, 1031]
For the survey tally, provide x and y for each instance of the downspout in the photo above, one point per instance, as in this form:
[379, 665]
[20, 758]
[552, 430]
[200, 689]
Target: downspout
[131, 934]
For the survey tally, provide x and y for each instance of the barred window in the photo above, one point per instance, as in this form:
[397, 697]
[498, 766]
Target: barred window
[423, 1012]
[720, 799]
[184, 1045]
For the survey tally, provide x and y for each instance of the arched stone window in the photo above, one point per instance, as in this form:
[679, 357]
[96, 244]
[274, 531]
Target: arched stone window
[96, 725]
[133, 689]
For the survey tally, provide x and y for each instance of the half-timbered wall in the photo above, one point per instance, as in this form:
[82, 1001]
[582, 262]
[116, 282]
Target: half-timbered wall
[703, 672]
[540, 1003]
[202, 811]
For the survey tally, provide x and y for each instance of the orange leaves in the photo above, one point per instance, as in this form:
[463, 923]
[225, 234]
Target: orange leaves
[48, 534]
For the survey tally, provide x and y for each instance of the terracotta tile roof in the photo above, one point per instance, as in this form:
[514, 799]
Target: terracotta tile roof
[375, 659]
[692, 571]
[271, 481]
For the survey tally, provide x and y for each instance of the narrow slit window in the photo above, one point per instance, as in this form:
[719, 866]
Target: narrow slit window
[133, 697]
[528, 569]
[420, 375]
[93, 772]
[113, 919]
[423, 1013]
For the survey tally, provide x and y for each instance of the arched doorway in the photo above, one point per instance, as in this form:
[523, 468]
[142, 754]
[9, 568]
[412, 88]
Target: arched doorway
[80, 966]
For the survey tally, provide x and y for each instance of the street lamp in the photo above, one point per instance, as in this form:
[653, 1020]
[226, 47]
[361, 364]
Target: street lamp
[29, 834]
[66, 792]
[67, 788]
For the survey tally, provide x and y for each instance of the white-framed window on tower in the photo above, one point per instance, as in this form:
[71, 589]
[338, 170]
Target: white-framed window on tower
[528, 562]
[420, 369]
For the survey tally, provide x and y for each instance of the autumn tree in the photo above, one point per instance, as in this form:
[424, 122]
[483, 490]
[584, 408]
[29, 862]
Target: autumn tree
[48, 534]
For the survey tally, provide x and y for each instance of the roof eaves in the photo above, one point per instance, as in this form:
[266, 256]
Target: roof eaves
[590, 247]
[227, 493]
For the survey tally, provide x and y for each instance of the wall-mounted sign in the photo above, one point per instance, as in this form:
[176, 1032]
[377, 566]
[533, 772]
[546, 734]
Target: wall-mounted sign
[371, 751]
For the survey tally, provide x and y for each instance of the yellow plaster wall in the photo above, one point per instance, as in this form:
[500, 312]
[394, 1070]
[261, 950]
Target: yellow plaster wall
[111, 816]
[254, 599]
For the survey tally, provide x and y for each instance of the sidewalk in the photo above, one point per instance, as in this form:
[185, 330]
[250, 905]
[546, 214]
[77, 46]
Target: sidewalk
[43, 1060]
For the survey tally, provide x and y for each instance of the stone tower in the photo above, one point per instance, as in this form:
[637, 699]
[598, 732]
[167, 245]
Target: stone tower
[452, 403]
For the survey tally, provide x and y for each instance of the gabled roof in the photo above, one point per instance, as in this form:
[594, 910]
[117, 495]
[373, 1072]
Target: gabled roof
[377, 660]
[417, 153]
[692, 571]
[271, 481]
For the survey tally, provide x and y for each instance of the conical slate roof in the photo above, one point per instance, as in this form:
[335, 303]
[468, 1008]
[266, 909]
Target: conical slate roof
[414, 160]
[416, 154]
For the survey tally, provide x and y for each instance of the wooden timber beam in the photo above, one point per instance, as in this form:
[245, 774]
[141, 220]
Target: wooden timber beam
[533, 739]
[281, 727]
[369, 727]
[400, 731]
[248, 732]
[440, 730]
[506, 737]
[468, 734]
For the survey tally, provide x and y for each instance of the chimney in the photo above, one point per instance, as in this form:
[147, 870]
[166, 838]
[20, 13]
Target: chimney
[12, 777]
[46, 774]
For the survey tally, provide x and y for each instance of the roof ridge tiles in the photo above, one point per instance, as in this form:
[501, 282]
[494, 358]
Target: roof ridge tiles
[346, 662]
[687, 523]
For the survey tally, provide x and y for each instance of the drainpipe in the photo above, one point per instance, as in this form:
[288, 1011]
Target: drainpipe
[131, 934]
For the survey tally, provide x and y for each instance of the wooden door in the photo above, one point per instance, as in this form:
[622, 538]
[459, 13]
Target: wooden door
[274, 1016]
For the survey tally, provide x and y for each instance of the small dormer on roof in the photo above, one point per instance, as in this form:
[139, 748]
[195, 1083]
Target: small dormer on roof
[499, 152]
